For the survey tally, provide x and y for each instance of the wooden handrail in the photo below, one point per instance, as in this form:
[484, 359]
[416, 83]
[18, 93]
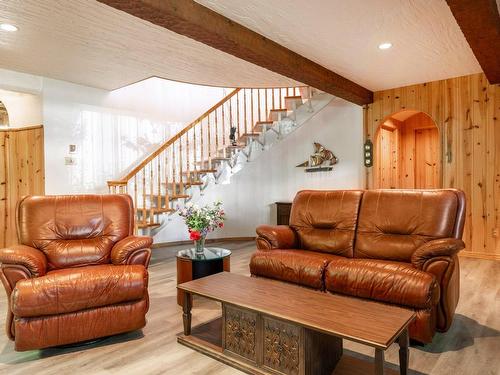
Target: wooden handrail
[160, 149]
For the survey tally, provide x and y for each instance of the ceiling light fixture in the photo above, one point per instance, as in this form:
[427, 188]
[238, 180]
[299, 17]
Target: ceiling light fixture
[385, 45]
[8, 27]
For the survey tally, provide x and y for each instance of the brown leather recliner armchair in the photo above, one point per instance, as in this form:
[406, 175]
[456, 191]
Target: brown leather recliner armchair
[77, 274]
[392, 246]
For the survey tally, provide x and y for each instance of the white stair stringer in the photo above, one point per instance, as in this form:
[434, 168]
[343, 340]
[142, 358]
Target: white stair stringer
[278, 132]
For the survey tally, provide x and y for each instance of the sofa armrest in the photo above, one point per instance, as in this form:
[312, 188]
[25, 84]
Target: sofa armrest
[436, 248]
[32, 259]
[276, 237]
[132, 250]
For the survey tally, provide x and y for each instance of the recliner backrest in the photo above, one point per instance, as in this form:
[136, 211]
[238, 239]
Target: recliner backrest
[326, 221]
[392, 224]
[74, 230]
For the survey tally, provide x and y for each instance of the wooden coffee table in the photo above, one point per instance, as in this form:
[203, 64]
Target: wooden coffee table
[270, 327]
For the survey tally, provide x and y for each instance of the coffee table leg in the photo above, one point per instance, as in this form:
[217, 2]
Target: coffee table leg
[186, 313]
[404, 354]
[379, 362]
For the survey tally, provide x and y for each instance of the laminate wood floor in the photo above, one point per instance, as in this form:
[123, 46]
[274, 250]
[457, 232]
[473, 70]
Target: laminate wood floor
[471, 346]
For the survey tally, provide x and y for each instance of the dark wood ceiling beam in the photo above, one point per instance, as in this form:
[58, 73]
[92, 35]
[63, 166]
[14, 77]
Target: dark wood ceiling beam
[480, 23]
[188, 18]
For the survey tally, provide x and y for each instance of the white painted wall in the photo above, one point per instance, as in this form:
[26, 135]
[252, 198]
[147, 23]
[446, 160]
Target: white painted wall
[273, 176]
[24, 109]
[20, 94]
[249, 199]
[33, 100]
[170, 103]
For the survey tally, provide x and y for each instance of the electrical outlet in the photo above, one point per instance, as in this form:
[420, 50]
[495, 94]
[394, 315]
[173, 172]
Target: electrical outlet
[68, 160]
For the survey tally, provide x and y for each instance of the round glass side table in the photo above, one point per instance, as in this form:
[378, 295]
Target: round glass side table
[191, 266]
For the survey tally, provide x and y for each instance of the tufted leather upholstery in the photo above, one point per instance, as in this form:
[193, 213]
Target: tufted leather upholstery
[392, 246]
[292, 265]
[394, 223]
[78, 272]
[326, 220]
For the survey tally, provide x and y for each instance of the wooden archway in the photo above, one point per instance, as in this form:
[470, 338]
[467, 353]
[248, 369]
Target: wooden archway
[4, 115]
[407, 152]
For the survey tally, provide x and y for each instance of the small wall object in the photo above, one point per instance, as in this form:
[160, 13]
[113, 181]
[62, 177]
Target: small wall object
[321, 160]
[368, 153]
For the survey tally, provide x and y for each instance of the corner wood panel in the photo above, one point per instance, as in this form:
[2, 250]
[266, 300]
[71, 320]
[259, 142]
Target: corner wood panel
[22, 172]
[466, 111]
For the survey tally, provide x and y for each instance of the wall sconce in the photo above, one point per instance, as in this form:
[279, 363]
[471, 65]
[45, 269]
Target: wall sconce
[368, 153]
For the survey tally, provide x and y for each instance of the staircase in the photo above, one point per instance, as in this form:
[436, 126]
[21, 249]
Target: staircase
[202, 151]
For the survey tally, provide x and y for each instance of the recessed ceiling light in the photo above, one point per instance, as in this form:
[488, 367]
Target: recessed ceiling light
[385, 45]
[8, 27]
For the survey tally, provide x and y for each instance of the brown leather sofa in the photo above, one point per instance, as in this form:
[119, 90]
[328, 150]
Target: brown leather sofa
[77, 273]
[393, 246]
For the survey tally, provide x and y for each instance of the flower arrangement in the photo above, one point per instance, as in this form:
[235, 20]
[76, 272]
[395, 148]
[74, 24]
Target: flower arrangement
[202, 220]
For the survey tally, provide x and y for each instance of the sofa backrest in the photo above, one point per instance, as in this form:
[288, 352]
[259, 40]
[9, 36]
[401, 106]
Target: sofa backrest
[74, 230]
[326, 221]
[392, 224]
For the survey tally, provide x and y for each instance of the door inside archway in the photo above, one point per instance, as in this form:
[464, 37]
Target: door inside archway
[407, 152]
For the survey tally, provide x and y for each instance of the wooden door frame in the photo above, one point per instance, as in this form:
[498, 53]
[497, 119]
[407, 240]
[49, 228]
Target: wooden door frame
[376, 174]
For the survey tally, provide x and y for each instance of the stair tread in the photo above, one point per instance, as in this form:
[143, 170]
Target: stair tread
[178, 196]
[250, 135]
[184, 183]
[222, 158]
[264, 122]
[158, 210]
[200, 171]
[236, 147]
[293, 97]
[148, 225]
[279, 109]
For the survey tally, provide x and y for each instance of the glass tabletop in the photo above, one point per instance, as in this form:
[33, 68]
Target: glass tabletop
[209, 253]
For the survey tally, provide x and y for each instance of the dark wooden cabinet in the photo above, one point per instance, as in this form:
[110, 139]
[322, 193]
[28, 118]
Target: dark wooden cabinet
[283, 212]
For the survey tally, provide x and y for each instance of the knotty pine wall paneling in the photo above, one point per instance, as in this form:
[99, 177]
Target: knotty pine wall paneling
[21, 173]
[467, 113]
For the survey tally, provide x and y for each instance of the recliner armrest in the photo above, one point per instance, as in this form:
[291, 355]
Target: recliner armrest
[132, 250]
[436, 248]
[32, 259]
[276, 237]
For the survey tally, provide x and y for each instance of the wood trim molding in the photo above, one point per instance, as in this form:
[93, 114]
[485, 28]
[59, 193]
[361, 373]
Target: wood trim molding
[480, 23]
[473, 255]
[193, 20]
[208, 241]
[30, 127]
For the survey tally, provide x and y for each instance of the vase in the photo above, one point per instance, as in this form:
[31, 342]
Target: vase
[199, 246]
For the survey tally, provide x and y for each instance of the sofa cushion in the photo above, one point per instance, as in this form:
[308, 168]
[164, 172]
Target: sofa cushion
[326, 221]
[383, 281]
[392, 224]
[296, 266]
[75, 289]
